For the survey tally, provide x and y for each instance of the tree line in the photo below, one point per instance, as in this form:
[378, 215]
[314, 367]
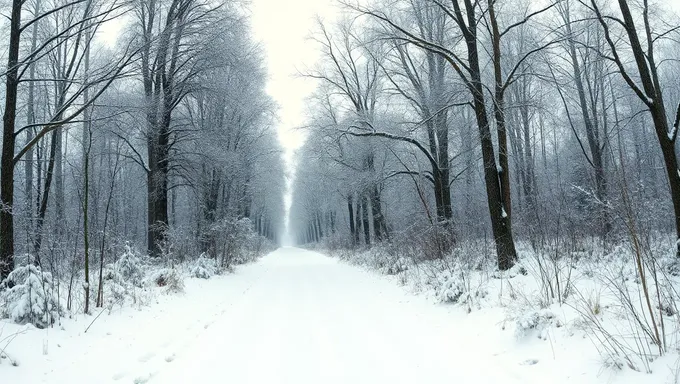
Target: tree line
[158, 140]
[506, 120]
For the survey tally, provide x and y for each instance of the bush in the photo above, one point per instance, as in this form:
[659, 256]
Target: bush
[27, 296]
[116, 287]
[534, 321]
[388, 263]
[396, 266]
[454, 286]
[204, 267]
[168, 278]
[130, 266]
[450, 289]
[234, 242]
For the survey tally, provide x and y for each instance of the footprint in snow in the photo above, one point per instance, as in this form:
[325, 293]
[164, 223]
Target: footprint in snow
[529, 362]
[169, 358]
[119, 376]
[143, 379]
[146, 357]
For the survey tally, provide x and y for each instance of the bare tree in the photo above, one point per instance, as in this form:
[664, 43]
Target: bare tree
[353, 74]
[68, 110]
[469, 17]
[644, 80]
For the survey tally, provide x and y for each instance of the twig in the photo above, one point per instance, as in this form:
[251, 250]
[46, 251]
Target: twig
[95, 319]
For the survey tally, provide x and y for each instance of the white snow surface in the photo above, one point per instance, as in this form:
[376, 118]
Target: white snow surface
[298, 316]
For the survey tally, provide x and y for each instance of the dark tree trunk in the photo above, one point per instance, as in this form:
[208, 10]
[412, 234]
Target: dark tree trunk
[357, 217]
[332, 216]
[319, 225]
[42, 211]
[211, 190]
[499, 114]
[158, 79]
[379, 225]
[364, 218]
[442, 187]
[8, 142]
[350, 211]
[159, 150]
[495, 179]
[671, 161]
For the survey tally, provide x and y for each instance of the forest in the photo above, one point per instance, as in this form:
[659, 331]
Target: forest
[515, 160]
[159, 140]
[508, 121]
[447, 138]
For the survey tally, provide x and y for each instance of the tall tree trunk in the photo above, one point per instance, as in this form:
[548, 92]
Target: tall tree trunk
[86, 227]
[377, 217]
[8, 142]
[42, 210]
[350, 212]
[379, 225]
[495, 179]
[499, 114]
[468, 148]
[319, 225]
[364, 218]
[357, 217]
[59, 198]
[437, 66]
[530, 175]
[155, 78]
[30, 120]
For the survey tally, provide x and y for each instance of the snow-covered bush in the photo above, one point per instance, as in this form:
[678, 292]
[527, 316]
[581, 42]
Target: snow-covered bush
[449, 288]
[379, 258]
[130, 266]
[396, 266]
[27, 296]
[116, 287]
[178, 244]
[453, 286]
[447, 279]
[123, 280]
[336, 241]
[204, 267]
[387, 262]
[235, 241]
[534, 321]
[168, 278]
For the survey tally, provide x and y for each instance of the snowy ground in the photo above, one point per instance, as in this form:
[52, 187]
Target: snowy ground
[298, 316]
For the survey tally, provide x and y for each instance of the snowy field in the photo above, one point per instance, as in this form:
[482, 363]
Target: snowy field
[297, 316]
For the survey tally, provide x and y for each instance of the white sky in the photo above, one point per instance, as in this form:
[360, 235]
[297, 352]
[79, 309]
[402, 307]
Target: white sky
[283, 27]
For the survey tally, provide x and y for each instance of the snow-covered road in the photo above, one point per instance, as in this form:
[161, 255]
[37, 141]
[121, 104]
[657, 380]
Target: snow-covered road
[300, 317]
[308, 319]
